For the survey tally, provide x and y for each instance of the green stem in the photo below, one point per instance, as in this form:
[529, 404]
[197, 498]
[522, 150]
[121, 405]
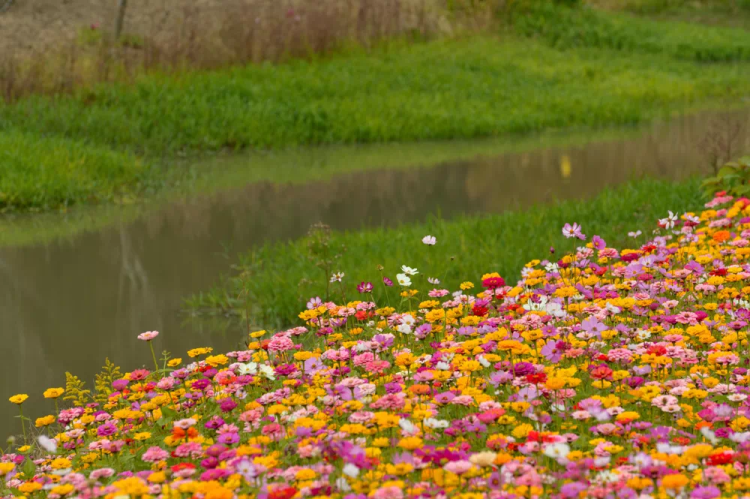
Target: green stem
[156, 364]
[23, 426]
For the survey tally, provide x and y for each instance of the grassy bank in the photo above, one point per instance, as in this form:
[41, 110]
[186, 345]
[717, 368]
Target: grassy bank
[556, 69]
[567, 28]
[39, 173]
[276, 281]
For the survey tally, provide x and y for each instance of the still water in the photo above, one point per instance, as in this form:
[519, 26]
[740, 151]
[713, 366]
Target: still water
[68, 304]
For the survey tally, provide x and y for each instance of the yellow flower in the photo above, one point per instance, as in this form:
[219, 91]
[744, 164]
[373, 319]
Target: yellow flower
[53, 393]
[6, 468]
[216, 360]
[410, 443]
[174, 362]
[60, 463]
[305, 474]
[466, 285]
[29, 487]
[19, 399]
[522, 430]
[158, 477]
[199, 351]
[144, 435]
[63, 489]
[45, 421]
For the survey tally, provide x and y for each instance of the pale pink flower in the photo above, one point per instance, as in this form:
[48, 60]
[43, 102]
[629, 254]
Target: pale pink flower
[148, 335]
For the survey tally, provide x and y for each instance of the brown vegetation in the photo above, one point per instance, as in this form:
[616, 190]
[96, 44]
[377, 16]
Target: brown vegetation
[51, 46]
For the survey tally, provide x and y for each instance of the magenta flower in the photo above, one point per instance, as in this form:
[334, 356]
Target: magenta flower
[227, 405]
[364, 287]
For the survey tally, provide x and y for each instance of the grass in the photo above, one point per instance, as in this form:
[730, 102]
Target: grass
[272, 283]
[459, 88]
[39, 173]
[473, 87]
[567, 28]
[730, 13]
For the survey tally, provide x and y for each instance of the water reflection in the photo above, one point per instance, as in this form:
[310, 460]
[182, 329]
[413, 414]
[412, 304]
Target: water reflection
[68, 305]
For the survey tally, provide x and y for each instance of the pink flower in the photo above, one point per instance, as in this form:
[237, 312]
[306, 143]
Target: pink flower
[458, 467]
[388, 493]
[148, 335]
[155, 454]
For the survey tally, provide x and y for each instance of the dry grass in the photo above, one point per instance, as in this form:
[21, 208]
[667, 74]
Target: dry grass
[210, 35]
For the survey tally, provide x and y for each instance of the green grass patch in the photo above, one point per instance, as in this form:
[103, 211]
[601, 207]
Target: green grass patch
[272, 284]
[567, 28]
[49, 173]
[448, 89]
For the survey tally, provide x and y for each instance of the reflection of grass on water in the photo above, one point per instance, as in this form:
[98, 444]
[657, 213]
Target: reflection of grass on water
[276, 280]
[220, 172]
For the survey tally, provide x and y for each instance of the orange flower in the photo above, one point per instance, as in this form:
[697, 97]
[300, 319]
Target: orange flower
[419, 389]
[721, 236]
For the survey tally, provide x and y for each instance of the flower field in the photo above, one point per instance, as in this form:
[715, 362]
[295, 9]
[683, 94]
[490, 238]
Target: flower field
[608, 373]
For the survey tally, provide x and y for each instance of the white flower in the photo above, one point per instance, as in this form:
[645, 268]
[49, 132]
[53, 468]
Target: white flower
[709, 435]
[337, 277]
[559, 450]
[483, 361]
[429, 240]
[551, 267]
[611, 308]
[403, 280]
[642, 335]
[536, 306]
[268, 372]
[436, 423]
[351, 470]
[48, 444]
[555, 310]
[404, 328]
[409, 270]
[249, 368]
[408, 427]
[443, 366]
[635, 234]
[433, 280]
[668, 222]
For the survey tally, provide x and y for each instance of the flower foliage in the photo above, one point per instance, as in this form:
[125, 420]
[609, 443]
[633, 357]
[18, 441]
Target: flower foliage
[609, 373]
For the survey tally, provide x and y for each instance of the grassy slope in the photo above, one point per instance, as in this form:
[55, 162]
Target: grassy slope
[269, 278]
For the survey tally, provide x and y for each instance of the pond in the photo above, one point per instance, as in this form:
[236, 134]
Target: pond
[68, 303]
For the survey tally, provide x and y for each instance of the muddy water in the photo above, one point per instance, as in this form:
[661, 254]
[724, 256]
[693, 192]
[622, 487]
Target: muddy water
[68, 305]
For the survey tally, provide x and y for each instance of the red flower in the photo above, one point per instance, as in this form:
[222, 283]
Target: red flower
[283, 493]
[721, 458]
[361, 315]
[601, 372]
[480, 311]
[536, 378]
[183, 466]
[657, 350]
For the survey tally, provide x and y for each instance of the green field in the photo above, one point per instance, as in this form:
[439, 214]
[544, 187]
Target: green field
[548, 69]
[272, 284]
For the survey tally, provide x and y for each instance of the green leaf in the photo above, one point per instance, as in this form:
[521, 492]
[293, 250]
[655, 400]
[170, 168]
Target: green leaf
[28, 468]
